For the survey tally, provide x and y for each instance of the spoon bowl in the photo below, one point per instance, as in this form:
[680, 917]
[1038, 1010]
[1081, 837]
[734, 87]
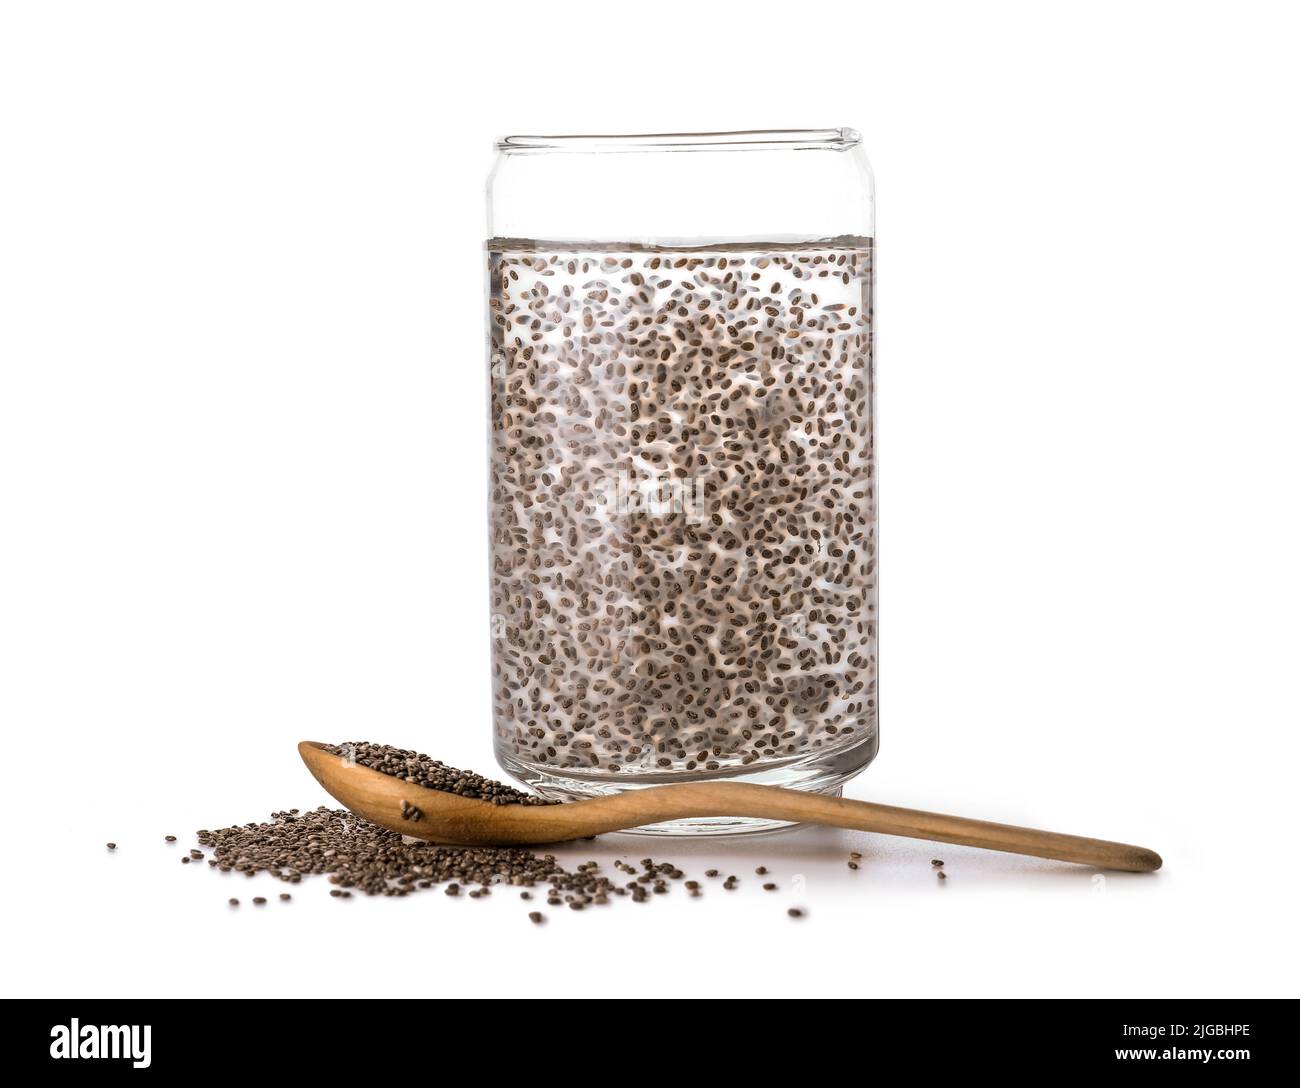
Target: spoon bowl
[447, 818]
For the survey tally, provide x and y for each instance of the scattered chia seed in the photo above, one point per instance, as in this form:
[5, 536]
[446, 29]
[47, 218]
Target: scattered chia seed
[354, 854]
[111, 845]
[795, 912]
[536, 917]
[936, 863]
[169, 838]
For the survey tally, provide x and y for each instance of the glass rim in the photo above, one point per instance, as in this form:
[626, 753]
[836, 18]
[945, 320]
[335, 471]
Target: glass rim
[797, 139]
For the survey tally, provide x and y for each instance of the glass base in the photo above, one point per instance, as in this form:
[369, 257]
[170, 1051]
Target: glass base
[820, 772]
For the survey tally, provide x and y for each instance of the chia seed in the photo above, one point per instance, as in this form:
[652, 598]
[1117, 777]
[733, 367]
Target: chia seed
[432, 774]
[732, 623]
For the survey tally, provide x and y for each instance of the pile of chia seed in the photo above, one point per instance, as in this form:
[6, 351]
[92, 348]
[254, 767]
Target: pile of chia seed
[356, 855]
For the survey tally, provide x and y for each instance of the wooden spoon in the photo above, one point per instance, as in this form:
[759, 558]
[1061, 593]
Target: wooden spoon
[450, 819]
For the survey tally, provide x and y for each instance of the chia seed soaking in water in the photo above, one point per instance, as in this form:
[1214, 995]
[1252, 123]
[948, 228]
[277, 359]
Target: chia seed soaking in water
[682, 505]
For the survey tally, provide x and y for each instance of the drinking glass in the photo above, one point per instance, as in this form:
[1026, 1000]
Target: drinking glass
[682, 507]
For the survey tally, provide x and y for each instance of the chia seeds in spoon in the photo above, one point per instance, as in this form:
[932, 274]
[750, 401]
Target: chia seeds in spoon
[432, 774]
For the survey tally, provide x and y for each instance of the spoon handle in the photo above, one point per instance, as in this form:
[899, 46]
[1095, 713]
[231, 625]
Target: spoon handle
[768, 802]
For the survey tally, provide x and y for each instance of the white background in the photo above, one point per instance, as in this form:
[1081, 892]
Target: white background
[242, 446]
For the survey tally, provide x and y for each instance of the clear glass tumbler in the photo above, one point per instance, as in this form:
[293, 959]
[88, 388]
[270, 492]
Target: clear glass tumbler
[682, 487]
